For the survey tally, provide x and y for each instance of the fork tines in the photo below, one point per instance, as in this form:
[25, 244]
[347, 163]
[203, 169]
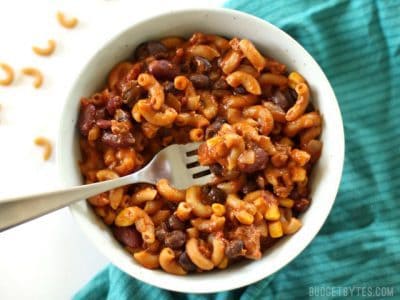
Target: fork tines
[197, 171]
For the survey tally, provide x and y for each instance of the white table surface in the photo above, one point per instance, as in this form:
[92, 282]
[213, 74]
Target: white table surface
[50, 258]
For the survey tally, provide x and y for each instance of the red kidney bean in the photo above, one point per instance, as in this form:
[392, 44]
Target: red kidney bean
[175, 239]
[202, 65]
[260, 161]
[163, 69]
[87, 118]
[117, 140]
[128, 236]
[100, 113]
[234, 248]
[113, 103]
[200, 81]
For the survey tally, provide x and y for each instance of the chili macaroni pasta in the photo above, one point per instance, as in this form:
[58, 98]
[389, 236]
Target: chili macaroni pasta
[258, 132]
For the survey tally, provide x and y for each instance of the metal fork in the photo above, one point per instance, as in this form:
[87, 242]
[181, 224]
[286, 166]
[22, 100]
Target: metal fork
[177, 163]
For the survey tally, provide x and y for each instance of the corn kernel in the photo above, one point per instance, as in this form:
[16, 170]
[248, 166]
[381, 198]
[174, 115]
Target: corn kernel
[286, 202]
[272, 213]
[275, 229]
[218, 209]
[244, 217]
[212, 142]
[298, 174]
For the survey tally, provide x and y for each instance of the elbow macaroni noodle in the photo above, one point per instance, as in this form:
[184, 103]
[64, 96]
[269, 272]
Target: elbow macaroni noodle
[51, 46]
[257, 129]
[37, 83]
[65, 22]
[47, 148]
[9, 72]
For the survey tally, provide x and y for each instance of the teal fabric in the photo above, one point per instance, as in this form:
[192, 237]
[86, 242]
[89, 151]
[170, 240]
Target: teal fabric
[357, 44]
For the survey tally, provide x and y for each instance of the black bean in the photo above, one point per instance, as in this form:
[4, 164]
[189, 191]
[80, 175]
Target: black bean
[260, 161]
[200, 81]
[186, 263]
[214, 127]
[281, 100]
[291, 96]
[221, 93]
[234, 248]
[157, 49]
[216, 195]
[131, 93]
[202, 64]
[175, 224]
[170, 88]
[128, 236]
[161, 232]
[175, 239]
[141, 51]
[205, 189]
[250, 186]
[118, 140]
[240, 90]
[220, 84]
[87, 118]
[163, 69]
[217, 170]
[301, 205]
[212, 194]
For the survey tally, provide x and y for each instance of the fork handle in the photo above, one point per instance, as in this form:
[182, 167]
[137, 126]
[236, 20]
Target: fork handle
[15, 211]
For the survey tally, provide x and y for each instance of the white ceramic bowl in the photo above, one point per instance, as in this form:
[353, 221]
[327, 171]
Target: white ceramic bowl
[269, 39]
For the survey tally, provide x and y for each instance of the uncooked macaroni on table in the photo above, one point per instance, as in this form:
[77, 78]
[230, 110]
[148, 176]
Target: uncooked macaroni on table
[259, 135]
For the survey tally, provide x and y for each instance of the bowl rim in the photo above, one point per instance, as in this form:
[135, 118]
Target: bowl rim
[245, 280]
